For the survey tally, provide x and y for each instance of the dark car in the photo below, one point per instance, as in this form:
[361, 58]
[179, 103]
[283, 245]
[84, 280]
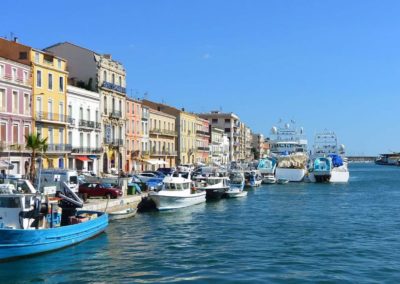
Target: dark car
[166, 171]
[99, 190]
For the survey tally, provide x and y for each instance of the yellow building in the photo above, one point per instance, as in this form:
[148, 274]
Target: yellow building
[49, 84]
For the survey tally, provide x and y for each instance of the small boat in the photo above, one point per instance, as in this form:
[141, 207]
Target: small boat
[282, 181]
[32, 223]
[269, 180]
[214, 186]
[122, 214]
[236, 185]
[176, 193]
[252, 178]
[267, 167]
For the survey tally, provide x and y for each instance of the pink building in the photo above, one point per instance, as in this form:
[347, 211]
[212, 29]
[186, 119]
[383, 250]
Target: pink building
[15, 113]
[133, 134]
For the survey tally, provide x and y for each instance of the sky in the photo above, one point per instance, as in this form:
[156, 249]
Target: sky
[325, 64]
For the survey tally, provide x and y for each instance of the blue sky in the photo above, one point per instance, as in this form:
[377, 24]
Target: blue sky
[325, 64]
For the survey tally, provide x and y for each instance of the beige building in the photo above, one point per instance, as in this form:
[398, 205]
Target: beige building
[163, 138]
[185, 126]
[258, 146]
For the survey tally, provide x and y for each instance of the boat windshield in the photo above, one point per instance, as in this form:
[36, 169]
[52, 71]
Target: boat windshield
[177, 186]
[213, 181]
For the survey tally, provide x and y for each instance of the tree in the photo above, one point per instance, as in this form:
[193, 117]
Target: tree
[36, 145]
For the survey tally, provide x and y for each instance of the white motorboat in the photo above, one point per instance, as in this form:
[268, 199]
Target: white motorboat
[122, 214]
[177, 192]
[236, 185]
[290, 147]
[328, 163]
[214, 186]
[267, 167]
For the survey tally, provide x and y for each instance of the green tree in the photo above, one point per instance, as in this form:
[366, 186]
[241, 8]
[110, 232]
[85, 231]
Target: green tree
[36, 145]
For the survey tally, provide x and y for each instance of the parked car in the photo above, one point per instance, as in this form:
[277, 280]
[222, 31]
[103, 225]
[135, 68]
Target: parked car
[99, 190]
[146, 176]
[166, 171]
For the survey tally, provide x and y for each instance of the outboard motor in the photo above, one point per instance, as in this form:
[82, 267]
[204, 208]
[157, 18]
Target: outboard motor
[69, 203]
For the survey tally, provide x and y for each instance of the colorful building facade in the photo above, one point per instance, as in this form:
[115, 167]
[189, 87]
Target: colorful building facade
[202, 141]
[133, 135]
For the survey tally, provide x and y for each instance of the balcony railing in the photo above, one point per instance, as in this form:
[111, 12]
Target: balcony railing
[116, 114]
[11, 147]
[88, 150]
[114, 87]
[114, 142]
[163, 132]
[18, 80]
[204, 149]
[53, 117]
[87, 123]
[59, 148]
[201, 132]
[163, 153]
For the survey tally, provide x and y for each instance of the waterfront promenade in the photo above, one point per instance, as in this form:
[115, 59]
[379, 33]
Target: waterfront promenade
[97, 204]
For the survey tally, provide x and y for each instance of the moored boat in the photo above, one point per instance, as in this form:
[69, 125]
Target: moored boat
[176, 193]
[31, 223]
[252, 178]
[214, 186]
[267, 167]
[236, 185]
[122, 214]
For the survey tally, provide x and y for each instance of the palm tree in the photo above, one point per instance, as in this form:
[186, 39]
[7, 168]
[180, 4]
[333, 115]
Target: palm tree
[37, 145]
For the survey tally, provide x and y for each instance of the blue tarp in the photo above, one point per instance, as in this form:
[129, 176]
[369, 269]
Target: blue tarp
[336, 160]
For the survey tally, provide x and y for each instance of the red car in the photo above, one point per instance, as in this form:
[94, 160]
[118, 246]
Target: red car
[99, 190]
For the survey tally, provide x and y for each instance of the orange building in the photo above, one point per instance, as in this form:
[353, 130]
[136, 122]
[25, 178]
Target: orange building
[133, 134]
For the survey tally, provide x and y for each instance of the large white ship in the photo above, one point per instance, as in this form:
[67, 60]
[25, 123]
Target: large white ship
[289, 146]
[328, 162]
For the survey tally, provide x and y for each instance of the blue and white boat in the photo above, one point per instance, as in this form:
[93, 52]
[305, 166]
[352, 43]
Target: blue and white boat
[236, 185]
[267, 167]
[252, 178]
[31, 223]
[328, 162]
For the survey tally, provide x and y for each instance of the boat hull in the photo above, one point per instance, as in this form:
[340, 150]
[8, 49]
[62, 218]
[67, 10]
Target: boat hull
[168, 202]
[292, 175]
[215, 193]
[16, 243]
[124, 214]
[335, 177]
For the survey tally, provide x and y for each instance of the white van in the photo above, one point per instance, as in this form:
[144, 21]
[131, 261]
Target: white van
[54, 177]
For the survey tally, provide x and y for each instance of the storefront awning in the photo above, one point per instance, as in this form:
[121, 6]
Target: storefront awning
[155, 162]
[82, 158]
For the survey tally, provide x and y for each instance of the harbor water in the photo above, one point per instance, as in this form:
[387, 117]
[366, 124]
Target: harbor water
[293, 233]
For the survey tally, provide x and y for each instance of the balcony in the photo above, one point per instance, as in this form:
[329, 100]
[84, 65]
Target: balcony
[17, 80]
[87, 124]
[163, 153]
[116, 114]
[145, 115]
[59, 148]
[71, 121]
[114, 142]
[12, 147]
[163, 132]
[203, 149]
[113, 87]
[52, 117]
[87, 150]
[201, 132]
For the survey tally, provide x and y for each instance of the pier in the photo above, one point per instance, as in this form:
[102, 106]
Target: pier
[361, 159]
[97, 204]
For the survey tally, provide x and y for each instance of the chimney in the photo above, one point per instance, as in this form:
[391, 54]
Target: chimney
[183, 109]
[15, 39]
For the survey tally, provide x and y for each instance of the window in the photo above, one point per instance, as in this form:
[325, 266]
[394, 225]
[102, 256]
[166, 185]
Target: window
[37, 57]
[50, 81]
[227, 120]
[27, 130]
[2, 100]
[70, 137]
[50, 110]
[14, 74]
[61, 135]
[88, 140]
[15, 134]
[25, 76]
[70, 111]
[96, 118]
[81, 139]
[27, 107]
[88, 114]
[39, 131]
[61, 111]
[39, 78]
[97, 141]
[120, 80]
[120, 106]
[105, 76]
[1, 71]
[113, 78]
[113, 104]
[59, 63]
[23, 55]
[105, 103]
[227, 130]
[120, 132]
[81, 113]
[50, 136]
[15, 101]
[3, 127]
[61, 84]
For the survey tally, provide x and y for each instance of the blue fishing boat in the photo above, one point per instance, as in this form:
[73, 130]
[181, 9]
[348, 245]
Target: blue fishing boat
[31, 223]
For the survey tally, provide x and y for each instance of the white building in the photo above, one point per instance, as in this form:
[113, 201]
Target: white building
[219, 146]
[84, 132]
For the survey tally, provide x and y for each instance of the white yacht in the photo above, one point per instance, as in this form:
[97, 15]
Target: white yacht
[328, 162]
[177, 192]
[214, 186]
[289, 146]
[252, 178]
[267, 167]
